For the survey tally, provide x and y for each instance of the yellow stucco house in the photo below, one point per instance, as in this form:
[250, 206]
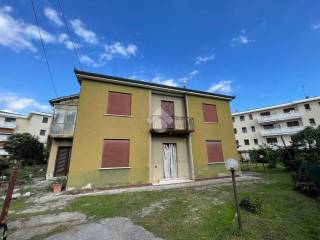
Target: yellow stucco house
[120, 132]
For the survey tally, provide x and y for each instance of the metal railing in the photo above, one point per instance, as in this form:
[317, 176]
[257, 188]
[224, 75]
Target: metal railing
[281, 131]
[3, 138]
[280, 117]
[160, 123]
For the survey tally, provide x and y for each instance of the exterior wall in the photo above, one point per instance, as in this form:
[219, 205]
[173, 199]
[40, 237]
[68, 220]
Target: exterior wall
[93, 126]
[22, 125]
[210, 131]
[276, 110]
[183, 161]
[179, 110]
[36, 124]
[53, 154]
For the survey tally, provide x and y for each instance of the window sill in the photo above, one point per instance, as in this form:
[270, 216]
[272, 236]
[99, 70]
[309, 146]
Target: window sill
[211, 122]
[113, 168]
[212, 163]
[116, 115]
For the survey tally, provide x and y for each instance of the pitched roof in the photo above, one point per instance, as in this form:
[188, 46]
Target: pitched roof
[82, 75]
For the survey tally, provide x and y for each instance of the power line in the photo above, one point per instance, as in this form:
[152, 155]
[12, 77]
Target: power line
[69, 33]
[44, 50]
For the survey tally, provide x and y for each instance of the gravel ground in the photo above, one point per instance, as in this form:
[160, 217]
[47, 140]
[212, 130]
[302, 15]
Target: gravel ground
[118, 228]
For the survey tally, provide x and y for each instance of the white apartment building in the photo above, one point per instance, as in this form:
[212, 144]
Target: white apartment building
[36, 123]
[275, 124]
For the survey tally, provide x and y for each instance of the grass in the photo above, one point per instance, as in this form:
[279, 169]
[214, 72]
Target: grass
[208, 212]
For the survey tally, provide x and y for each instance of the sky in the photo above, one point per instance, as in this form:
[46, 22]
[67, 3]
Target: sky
[263, 52]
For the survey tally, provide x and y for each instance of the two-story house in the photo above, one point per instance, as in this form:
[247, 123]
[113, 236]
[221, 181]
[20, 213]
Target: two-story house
[130, 132]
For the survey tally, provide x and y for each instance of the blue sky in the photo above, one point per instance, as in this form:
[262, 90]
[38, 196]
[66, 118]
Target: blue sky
[260, 51]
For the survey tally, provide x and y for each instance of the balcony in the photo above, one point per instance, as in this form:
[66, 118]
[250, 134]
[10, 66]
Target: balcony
[3, 138]
[174, 125]
[10, 125]
[280, 117]
[281, 131]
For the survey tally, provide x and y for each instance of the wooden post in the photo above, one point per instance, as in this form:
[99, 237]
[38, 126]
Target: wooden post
[6, 204]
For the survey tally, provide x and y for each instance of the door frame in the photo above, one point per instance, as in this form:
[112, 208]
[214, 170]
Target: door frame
[68, 161]
[176, 148]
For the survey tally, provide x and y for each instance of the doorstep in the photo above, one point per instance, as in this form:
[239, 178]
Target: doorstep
[172, 181]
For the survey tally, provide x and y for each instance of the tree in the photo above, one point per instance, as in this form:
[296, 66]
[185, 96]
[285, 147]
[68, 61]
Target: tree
[25, 148]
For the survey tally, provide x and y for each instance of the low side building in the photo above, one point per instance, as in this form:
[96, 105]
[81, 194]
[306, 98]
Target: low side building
[36, 123]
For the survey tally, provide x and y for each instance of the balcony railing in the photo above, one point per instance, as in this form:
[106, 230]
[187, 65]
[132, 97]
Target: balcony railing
[62, 129]
[168, 124]
[280, 117]
[281, 131]
[3, 138]
[10, 125]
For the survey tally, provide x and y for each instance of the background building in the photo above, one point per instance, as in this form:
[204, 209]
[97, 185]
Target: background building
[275, 124]
[36, 123]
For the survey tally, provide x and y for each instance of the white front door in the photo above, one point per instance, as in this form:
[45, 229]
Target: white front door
[170, 167]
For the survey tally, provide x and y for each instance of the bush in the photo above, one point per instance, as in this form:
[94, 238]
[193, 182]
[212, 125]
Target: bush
[253, 205]
[25, 148]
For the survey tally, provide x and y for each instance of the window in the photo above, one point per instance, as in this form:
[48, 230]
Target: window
[265, 114]
[214, 151]
[232, 119]
[9, 119]
[235, 131]
[268, 126]
[287, 110]
[45, 120]
[272, 140]
[255, 141]
[250, 116]
[307, 107]
[237, 143]
[312, 122]
[244, 130]
[42, 132]
[241, 118]
[253, 129]
[209, 112]
[246, 142]
[115, 153]
[119, 104]
[293, 124]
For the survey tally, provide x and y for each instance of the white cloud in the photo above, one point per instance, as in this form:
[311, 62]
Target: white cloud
[203, 59]
[64, 39]
[241, 39]
[53, 16]
[315, 26]
[221, 86]
[85, 59]
[161, 79]
[118, 49]
[15, 103]
[18, 35]
[85, 34]
[194, 72]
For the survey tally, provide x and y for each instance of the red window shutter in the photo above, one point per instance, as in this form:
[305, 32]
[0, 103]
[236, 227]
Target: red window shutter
[214, 150]
[209, 113]
[6, 130]
[119, 103]
[115, 153]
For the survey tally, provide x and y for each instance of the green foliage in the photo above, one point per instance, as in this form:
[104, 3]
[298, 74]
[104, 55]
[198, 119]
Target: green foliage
[306, 148]
[253, 205]
[25, 148]
[4, 164]
[270, 155]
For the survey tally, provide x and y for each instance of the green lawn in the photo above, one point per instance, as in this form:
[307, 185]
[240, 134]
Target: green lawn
[208, 212]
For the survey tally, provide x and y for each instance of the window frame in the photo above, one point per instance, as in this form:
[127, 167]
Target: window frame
[307, 108]
[102, 167]
[244, 130]
[245, 142]
[41, 130]
[114, 114]
[216, 113]
[214, 141]
[45, 121]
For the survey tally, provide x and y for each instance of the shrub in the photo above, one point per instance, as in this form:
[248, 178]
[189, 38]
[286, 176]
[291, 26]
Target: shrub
[253, 205]
[4, 164]
[25, 148]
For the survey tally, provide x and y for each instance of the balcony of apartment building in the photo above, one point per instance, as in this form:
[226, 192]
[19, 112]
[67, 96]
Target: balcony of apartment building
[171, 124]
[281, 131]
[63, 121]
[8, 125]
[287, 114]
